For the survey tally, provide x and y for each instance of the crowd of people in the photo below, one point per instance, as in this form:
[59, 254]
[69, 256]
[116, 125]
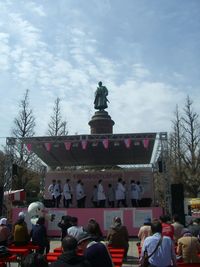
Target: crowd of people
[167, 241]
[112, 196]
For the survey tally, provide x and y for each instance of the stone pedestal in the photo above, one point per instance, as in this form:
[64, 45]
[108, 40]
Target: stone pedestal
[101, 123]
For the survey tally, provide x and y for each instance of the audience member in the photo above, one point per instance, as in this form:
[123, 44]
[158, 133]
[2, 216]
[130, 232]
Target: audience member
[117, 235]
[39, 236]
[160, 249]
[94, 230]
[188, 247]
[101, 197]
[178, 227]
[95, 252]
[33, 260]
[194, 227]
[69, 257]
[144, 230]
[64, 224]
[4, 232]
[167, 228]
[20, 231]
[74, 230]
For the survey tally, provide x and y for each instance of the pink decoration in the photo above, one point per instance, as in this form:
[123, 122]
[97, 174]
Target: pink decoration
[84, 144]
[47, 146]
[105, 143]
[127, 142]
[29, 147]
[68, 145]
[146, 143]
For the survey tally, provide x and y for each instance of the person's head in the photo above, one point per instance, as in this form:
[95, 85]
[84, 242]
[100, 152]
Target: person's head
[176, 218]
[69, 243]
[74, 221]
[34, 259]
[83, 239]
[132, 181]
[165, 218]
[196, 221]
[93, 228]
[95, 186]
[119, 180]
[68, 180]
[156, 226]
[100, 181]
[79, 182]
[138, 182]
[186, 232]
[41, 220]
[53, 181]
[147, 221]
[109, 185]
[21, 215]
[3, 221]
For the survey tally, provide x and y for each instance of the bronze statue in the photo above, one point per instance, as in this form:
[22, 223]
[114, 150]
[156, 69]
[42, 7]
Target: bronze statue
[100, 101]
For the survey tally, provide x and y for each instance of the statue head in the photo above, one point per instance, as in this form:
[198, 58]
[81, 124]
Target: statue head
[100, 83]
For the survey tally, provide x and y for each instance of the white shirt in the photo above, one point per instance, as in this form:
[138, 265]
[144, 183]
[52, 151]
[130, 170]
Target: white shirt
[79, 191]
[67, 191]
[134, 191]
[120, 191]
[100, 192]
[57, 190]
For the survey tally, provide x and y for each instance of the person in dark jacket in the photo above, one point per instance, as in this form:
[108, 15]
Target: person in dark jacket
[69, 258]
[64, 224]
[117, 235]
[39, 236]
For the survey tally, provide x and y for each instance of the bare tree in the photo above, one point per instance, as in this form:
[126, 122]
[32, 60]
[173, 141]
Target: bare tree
[57, 126]
[184, 147]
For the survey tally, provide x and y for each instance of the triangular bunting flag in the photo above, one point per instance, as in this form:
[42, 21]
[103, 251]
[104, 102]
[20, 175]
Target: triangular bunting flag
[47, 146]
[127, 142]
[84, 144]
[68, 145]
[29, 147]
[105, 143]
[146, 143]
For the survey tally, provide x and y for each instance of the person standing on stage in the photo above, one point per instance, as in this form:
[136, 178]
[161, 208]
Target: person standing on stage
[67, 194]
[80, 195]
[101, 195]
[140, 193]
[120, 193]
[94, 196]
[51, 192]
[111, 196]
[134, 194]
[57, 193]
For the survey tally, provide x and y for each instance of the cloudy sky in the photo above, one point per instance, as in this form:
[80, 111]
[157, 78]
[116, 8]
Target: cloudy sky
[146, 52]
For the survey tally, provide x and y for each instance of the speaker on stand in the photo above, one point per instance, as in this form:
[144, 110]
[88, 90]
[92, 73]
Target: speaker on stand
[177, 196]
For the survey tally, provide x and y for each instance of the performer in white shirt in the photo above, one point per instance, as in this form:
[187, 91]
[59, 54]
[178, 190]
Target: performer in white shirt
[80, 195]
[67, 194]
[120, 193]
[51, 192]
[101, 197]
[57, 193]
[134, 194]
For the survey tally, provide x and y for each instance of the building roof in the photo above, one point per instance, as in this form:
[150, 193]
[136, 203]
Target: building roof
[90, 150]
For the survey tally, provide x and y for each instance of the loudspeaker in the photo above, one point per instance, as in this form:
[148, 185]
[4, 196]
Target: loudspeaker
[177, 194]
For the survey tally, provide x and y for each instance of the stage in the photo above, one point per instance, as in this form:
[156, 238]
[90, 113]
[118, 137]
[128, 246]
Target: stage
[133, 218]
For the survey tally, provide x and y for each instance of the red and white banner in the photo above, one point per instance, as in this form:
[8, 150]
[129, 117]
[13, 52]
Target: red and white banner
[146, 143]
[127, 142]
[16, 195]
[68, 145]
[105, 143]
[29, 147]
[47, 146]
[84, 144]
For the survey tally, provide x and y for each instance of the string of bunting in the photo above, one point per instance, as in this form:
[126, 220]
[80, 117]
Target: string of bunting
[84, 144]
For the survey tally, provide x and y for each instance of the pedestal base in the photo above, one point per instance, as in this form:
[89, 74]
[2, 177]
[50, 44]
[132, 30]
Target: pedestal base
[101, 123]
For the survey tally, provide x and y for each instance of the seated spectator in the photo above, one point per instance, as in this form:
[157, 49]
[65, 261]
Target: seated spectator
[160, 249]
[188, 247]
[20, 231]
[34, 260]
[96, 253]
[69, 257]
[64, 224]
[74, 230]
[4, 232]
[167, 228]
[194, 227]
[178, 227]
[117, 235]
[94, 230]
[144, 231]
[39, 236]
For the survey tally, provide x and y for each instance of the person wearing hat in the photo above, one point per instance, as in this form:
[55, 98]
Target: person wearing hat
[145, 230]
[117, 235]
[20, 231]
[96, 253]
[188, 247]
[4, 232]
[69, 257]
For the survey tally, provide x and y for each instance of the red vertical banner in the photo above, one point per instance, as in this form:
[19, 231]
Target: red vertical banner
[127, 142]
[84, 144]
[146, 143]
[68, 145]
[47, 146]
[29, 147]
[105, 143]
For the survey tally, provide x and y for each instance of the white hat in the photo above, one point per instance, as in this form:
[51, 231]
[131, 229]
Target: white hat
[3, 221]
[21, 215]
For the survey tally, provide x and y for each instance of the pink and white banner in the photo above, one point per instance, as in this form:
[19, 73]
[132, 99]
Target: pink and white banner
[47, 146]
[146, 143]
[127, 142]
[84, 144]
[29, 147]
[68, 145]
[105, 143]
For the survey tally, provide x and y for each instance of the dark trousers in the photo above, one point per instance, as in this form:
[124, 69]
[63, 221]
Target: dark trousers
[66, 202]
[134, 202]
[58, 201]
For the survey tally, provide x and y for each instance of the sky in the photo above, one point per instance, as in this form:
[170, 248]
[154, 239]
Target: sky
[146, 52]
